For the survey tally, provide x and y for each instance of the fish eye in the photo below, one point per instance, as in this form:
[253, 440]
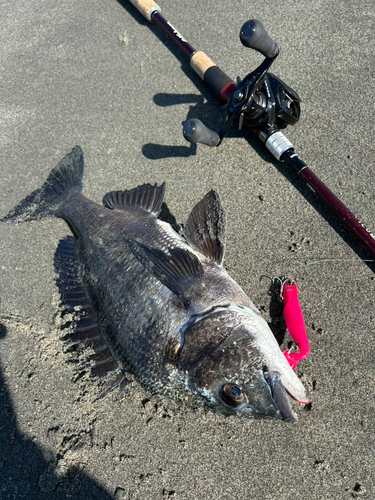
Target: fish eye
[232, 394]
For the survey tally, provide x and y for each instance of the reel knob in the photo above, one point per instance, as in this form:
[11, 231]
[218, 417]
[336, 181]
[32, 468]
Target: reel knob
[194, 131]
[254, 36]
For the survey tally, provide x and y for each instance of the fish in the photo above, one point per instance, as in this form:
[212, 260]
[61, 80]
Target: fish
[159, 304]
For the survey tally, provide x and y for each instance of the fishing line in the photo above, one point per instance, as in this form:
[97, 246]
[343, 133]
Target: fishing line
[338, 260]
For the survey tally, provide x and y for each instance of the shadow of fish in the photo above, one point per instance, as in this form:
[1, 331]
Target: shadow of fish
[164, 304]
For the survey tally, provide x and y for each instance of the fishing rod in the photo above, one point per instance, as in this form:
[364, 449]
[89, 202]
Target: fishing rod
[262, 102]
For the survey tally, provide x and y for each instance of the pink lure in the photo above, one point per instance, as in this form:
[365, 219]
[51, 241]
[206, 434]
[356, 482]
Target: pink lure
[294, 322]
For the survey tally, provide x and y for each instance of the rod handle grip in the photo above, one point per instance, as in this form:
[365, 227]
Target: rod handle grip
[146, 7]
[201, 63]
[194, 131]
[254, 35]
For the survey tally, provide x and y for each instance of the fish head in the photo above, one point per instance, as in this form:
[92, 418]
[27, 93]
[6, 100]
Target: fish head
[243, 371]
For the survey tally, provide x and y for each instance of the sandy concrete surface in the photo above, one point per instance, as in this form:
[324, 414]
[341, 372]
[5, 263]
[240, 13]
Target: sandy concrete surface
[95, 73]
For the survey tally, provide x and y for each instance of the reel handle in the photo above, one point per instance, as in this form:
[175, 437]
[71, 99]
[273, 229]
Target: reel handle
[254, 36]
[195, 131]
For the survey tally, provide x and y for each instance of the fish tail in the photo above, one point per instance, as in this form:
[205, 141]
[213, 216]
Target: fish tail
[63, 181]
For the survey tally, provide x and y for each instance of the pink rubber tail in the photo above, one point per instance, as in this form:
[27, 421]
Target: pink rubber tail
[295, 323]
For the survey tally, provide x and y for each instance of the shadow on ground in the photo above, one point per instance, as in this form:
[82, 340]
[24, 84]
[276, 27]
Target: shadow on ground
[25, 473]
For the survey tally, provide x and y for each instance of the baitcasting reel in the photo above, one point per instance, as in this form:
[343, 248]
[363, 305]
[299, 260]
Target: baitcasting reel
[261, 102]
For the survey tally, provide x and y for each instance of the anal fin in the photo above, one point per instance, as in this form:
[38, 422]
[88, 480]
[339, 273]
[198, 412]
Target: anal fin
[73, 296]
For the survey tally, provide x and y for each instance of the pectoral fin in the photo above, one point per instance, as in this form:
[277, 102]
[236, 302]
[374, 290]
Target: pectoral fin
[178, 269]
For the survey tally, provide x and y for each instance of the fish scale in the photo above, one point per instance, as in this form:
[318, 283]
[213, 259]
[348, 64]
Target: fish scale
[163, 304]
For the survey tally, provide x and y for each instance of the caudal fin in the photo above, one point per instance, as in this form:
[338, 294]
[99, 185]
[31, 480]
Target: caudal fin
[63, 181]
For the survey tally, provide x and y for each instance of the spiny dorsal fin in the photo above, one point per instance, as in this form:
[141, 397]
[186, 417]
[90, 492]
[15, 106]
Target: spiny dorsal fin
[205, 227]
[179, 270]
[148, 197]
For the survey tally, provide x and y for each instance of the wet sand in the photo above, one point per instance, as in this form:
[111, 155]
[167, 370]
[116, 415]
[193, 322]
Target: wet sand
[97, 74]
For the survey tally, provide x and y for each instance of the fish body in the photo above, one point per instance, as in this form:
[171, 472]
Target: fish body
[164, 304]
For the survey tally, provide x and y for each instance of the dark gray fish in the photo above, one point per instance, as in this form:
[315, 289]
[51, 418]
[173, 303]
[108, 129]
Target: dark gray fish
[160, 304]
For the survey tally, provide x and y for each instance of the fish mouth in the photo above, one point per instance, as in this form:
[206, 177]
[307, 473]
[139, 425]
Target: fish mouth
[280, 396]
[295, 393]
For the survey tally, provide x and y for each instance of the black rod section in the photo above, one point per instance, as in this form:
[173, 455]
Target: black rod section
[173, 34]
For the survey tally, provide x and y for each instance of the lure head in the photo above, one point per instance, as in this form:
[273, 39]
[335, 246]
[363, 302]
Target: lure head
[289, 290]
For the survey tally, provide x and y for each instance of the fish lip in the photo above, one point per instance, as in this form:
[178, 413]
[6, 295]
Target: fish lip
[295, 393]
[280, 396]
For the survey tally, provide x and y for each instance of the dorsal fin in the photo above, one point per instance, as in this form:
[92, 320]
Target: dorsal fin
[148, 197]
[205, 227]
[179, 270]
